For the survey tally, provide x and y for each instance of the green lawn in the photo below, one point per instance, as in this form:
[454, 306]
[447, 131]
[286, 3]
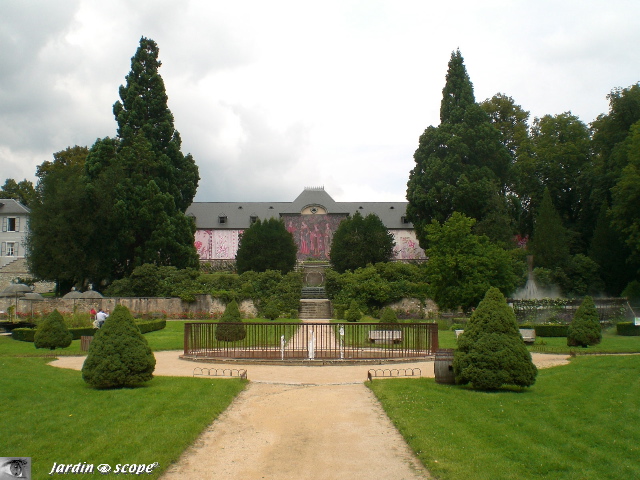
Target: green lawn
[52, 415]
[578, 421]
[611, 343]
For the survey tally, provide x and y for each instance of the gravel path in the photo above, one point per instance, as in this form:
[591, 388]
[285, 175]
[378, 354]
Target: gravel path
[299, 422]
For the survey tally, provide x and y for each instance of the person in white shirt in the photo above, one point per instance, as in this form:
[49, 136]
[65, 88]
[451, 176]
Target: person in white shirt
[101, 317]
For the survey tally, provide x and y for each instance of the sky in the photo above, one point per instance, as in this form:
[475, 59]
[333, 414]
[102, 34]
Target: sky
[272, 97]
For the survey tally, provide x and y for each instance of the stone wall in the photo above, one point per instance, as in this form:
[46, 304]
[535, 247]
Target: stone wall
[171, 307]
[18, 269]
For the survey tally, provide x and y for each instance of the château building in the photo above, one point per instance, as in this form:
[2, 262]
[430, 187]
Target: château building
[312, 218]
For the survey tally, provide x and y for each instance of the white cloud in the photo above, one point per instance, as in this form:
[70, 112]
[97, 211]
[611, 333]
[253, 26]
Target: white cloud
[270, 97]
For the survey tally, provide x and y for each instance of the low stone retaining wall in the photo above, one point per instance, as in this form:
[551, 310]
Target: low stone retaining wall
[171, 307]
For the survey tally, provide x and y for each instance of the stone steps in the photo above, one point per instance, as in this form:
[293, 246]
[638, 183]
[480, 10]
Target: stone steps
[315, 308]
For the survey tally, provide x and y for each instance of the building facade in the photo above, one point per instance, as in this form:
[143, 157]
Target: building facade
[13, 237]
[312, 218]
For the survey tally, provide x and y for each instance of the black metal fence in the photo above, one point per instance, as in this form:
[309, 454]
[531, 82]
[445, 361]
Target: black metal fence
[313, 341]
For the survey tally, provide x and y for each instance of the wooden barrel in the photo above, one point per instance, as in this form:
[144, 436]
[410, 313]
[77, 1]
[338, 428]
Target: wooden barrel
[443, 366]
[85, 341]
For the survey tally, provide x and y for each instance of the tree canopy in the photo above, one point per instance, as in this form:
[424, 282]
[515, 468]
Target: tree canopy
[359, 241]
[461, 165]
[266, 245]
[121, 204]
[462, 266]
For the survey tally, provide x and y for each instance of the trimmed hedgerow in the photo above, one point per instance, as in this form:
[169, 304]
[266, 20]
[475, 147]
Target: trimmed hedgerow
[52, 332]
[119, 355]
[551, 330]
[585, 329]
[628, 329]
[491, 352]
[230, 328]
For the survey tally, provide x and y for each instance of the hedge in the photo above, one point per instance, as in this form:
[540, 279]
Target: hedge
[628, 329]
[551, 330]
[27, 334]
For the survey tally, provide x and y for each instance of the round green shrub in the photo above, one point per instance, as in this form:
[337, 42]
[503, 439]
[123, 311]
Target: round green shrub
[271, 310]
[491, 352]
[388, 319]
[353, 314]
[585, 329]
[119, 355]
[230, 328]
[52, 332]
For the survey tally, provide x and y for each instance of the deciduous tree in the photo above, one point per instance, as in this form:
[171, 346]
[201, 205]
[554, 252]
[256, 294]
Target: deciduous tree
[462, 266]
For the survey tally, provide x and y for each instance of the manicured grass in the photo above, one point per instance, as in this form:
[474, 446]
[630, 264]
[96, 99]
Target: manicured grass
[611, 343]
[51, 415]
[10, 348]
[579, 421]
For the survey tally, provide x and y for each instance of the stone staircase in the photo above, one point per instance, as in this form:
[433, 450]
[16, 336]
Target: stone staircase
[315, 308]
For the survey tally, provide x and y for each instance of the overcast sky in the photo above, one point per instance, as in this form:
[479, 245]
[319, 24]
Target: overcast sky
[272, 96]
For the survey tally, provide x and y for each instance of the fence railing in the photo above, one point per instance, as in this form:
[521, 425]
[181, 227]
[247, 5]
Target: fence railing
[313, 341]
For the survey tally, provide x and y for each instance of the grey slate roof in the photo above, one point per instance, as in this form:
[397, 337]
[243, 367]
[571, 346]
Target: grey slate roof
[238, 214]
[9, 206]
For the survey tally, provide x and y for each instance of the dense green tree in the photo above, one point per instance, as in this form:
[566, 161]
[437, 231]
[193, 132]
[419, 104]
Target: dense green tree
[550, 241]
[59, 230]
[266, 245]
[140, 184]
[119, 355]
[584, 329]
[611, 254]
[610, 132]
[626, 193]
[52, 332]
[151, 280]
[353, 314]
[462, 265]
[561, 145]
[22, 191]
[491, 352]
[461, 165]
[143, 111]
[230, 328]
[359, 241]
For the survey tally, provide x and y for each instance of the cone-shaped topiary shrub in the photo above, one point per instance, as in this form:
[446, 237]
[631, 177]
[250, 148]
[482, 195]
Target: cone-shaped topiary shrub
[491, 352]
[230, 328]
[52, 332]
[388, 319]
[119, 355]
[271, 310]
[353, 314]
[585, 328]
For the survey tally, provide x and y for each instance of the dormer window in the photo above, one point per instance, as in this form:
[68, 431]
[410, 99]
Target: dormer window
[253, 219]
[222, 219]
[405, 220]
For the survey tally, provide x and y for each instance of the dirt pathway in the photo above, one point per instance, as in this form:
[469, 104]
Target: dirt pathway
[300, 432]
[299, 422]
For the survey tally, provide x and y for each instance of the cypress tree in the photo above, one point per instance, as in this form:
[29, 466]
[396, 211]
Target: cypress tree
[584, 329]
[550, 243]
[119, 355]
[52, 333]
[491, 352]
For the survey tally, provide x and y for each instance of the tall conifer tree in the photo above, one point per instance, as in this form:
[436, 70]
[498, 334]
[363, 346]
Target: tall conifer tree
[461, 165]
[141, 183]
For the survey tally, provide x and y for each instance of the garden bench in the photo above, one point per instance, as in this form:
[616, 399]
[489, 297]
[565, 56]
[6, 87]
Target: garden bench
[528, 335]
[385, 336]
